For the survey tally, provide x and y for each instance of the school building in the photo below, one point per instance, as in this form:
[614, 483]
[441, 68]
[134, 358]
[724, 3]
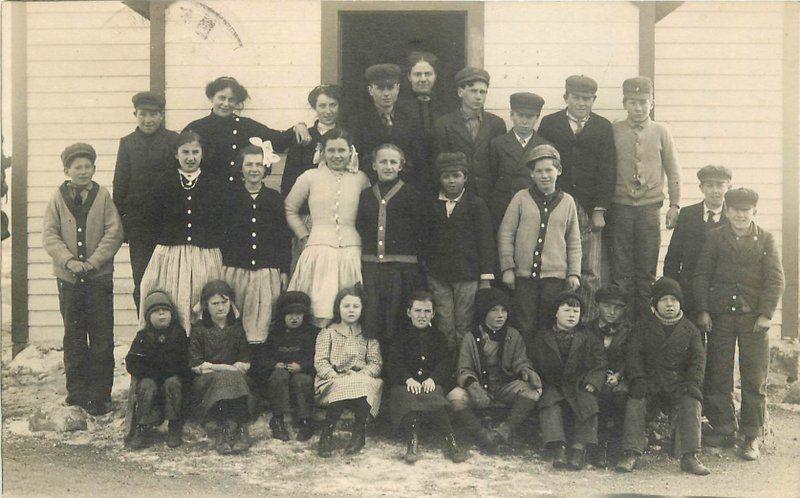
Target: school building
[726, 78]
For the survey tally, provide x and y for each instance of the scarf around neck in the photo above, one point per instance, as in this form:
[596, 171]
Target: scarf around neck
[668, 321]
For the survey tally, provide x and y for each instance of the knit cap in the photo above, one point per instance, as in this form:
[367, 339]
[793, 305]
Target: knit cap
[665, 286]
[293, 302]
[486, 299]
[156, 299]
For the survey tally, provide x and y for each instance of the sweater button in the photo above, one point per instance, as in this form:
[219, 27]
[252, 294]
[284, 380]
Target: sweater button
[253, 220]
[253, 262]
[380, 256]
[188, 211]
[536, 253]
[230, 178]
[233, 163]
[81, 256]
[254, 246]
[533, 274]
[540, 241]
[253, 234]
[379, 228]
[188, 225]
[80, 229]
[189, 198]
[542, 225]
[188, 239]
[80, 243]
[235, 132]
[422, 357]
[233, 146]
[254, 206]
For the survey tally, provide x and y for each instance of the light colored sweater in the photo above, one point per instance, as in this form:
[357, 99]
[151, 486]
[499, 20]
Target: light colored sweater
[520, 231]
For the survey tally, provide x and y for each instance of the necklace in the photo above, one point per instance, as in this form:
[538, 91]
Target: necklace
[188, 182]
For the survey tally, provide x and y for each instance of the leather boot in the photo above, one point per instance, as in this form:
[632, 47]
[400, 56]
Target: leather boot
[486, 440]
[453, 451]
[628, 462]
[278, 428]
[358, 438]
[691, 464]
[241, 441]
[140, 438]
[306, 430]
[560, 456]
[750, 450]
[221, 443]
[174, 433]
[325, 445]
[412, 450]
[577, 458]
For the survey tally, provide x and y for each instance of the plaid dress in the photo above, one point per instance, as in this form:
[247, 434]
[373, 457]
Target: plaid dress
[348, 365]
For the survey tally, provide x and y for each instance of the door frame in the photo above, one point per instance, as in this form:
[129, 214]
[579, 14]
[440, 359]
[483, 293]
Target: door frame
[331, 39]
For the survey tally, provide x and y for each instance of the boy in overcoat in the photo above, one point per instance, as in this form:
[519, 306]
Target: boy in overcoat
[470, 129]
[143, 156]
[585, 141]
[694, 224]
[666, 359]
[509, 173]
[738, 282]
[573, 368]
[493, 369]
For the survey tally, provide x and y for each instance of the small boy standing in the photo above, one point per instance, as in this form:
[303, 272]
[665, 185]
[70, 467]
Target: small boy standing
[82, 232]
[143, 156]
[694, 224]
[646, 155]
[573, 369]
[470, 129]
[158, 361]
[613, 330]
[506, 153]
[539, 241]
[460, 255]
[666, 359]
[738, 282]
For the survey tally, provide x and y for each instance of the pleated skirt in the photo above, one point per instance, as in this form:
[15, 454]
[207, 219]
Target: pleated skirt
[322, 271]
[256, 293]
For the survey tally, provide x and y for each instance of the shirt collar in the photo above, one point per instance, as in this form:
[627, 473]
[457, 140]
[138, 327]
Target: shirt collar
[189, 176]
[573, 118]
[381, 112]
[643, 124]
[520, 138]
[444, 198]
[468, 114]
[706, 209]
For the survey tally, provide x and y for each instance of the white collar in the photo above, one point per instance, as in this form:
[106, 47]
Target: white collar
[706, 209]
[190, 176]
[573, 118]
[443, 197]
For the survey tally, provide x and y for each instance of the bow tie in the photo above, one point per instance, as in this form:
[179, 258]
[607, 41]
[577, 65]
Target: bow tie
[423, 98]
[608, 329]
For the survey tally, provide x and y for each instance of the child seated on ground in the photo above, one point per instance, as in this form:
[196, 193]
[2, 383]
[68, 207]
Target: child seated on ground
[665, 371]
[283, 367]
[493, 370]
[419, 369]
[573, 368]
[220, 355]
[158, 364]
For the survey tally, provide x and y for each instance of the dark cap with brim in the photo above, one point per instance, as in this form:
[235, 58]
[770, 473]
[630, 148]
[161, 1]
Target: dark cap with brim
[149, 100]
[383, 74]
[77, 150]
[741, 198]
[526, 102]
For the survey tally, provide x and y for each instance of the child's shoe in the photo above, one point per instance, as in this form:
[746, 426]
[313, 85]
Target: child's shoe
[412, 450]
[222, 442]
[488, 441]
[306, 430]
[750, 450]
[358, 439]
[577, 458]
[278, 428]
[241, 440]
[628, 462]
[174, 433]
[325, 447]
[691, 464]
[560, 456]
[97, 408]
[140, 438]
[453, 451]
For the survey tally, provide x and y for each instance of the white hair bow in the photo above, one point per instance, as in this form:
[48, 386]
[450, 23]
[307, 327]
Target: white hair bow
[270, 157]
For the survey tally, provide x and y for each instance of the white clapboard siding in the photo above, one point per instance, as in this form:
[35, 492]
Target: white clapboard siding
[718, 88]
[85, 60]
[534, 46]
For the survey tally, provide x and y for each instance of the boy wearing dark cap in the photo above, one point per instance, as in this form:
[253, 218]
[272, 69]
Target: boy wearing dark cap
[573, 368]
[508, 172]
[460, 252]
[646, 155]
[386, 122]
[82, 232]
[738, 283]
[666, 359]
[585, 141]
[612, 328]
[143, 156]
[493, 370]
[470, 129]
[539, 242]
[693, 225]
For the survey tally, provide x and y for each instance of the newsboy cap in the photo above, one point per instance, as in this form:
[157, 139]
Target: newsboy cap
[451, 161]
[149, 100]
[640, 85]
[741, 198]
[77, 150]
[542, 151]
[526, 101]
[578, 83]
[713, 172]
[383, 74]
[471, 75]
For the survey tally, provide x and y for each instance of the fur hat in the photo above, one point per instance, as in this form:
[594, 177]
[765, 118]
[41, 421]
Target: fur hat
[293, 302]
[665, 286]
[611, 294]
[486, 299]
[157, 299]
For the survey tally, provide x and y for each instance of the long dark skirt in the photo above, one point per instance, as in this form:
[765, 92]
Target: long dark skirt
[210, 388]
[388, 286]
[402, 402]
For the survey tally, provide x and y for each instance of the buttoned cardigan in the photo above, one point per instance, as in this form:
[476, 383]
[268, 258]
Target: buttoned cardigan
[189, 216]
[391, 226]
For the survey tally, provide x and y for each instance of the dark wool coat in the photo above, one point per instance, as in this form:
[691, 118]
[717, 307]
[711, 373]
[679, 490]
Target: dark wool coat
[673, 364]
[508, 172]
[736, 271]
[566, 378]
[253, 245]
[189, 217]
[588, 160]
[404, 225]
[451, 135]
[513, 359]
[435, 108]
[285, 346]
[299, 159]
[421, 355]
[223, 138]
[159, 354]
[617, 351]
[141, 161]
[462, 247]
[685, 248]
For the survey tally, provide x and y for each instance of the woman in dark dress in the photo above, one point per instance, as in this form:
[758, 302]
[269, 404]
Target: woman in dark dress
[225, 133]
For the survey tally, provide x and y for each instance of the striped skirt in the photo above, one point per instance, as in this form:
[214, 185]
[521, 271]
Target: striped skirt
[181, 272]
[256, 293]
[322, 271]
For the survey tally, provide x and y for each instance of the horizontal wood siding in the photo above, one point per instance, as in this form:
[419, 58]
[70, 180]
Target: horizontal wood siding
[718, 88]
[85, 60]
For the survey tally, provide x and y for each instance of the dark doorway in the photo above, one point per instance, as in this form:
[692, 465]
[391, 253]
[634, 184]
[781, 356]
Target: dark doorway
[374, 37]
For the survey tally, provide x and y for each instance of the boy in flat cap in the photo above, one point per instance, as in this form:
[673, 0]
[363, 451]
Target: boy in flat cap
[693, 225]
[470, 129]
[460, 253]
[539, 242]
[509, 174]
[738, 282]
[666, 359]
[82, 232]
[585, 141]
[143, 156]
[646, 155]
[386, 122]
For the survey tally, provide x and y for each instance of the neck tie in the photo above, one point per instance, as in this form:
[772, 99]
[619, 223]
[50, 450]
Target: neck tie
[710, 218]
[78, 197]
[387, 121]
